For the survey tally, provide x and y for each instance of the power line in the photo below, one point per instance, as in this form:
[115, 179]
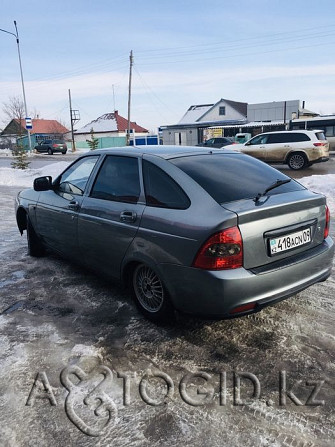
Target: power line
[266, 37]
[151, 92]
[236, 55]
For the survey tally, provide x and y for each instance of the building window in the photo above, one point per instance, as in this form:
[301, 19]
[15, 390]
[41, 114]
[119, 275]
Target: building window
[222, 110]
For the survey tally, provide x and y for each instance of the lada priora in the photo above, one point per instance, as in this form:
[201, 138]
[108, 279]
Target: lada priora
[215, 233]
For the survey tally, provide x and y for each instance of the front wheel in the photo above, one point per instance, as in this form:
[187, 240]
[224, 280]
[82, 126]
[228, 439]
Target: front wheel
[297, 161]
[150, 294]
[50, 151]
[35, 246]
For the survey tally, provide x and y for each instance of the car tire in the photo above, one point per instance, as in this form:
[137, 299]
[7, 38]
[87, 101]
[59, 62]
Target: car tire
[35, 246]
[297, 161]
[50, 152]
[63, 152]
[150, 294]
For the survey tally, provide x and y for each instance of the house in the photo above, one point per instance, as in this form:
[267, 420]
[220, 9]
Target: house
[41, 130]
[227, 118]
[191, 128]
[110, 128]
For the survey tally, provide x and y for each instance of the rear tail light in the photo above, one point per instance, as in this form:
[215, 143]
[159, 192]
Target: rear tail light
[55, 145]
[320, 144]
[223, 250]
[326, 232]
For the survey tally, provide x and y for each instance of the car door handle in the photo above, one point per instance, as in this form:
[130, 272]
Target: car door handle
[73, 205]
[128, 216]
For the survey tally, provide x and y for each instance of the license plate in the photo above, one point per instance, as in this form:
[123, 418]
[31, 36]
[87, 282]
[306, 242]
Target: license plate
[290, 241]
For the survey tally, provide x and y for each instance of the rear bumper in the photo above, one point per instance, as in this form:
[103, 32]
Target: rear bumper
[215, 294]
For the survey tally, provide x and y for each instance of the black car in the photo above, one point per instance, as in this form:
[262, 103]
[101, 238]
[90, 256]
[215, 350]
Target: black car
[217, 142]
[51, 146]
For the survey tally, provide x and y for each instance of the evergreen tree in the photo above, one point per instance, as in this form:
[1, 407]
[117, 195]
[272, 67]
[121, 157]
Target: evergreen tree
[93, 142]
[21, 158]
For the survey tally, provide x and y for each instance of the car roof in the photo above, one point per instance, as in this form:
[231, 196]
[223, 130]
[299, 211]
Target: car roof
[162, 151]
[292, 131]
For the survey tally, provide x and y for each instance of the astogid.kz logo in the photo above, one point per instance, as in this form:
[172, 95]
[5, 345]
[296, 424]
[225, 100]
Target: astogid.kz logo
[90, 407]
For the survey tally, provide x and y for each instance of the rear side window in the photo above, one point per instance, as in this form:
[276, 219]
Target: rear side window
[118, 180]
[229, 177]
[161, 190]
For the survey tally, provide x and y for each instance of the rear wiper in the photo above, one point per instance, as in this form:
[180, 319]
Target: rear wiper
[273, 186]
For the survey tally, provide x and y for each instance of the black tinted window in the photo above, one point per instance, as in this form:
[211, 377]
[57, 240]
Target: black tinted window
[277, 138]
[228, 177]
[296, 137]
[289, 137]
[118, 180]
[161, 190]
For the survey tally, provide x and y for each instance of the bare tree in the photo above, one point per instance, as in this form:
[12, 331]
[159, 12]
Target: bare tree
[13, 109]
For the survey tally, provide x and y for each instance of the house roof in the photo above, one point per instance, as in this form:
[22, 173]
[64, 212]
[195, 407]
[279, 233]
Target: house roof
[304, 111]
[110, 122]
[196, 112]
[45, 126]
[40, 126]
[241, 107]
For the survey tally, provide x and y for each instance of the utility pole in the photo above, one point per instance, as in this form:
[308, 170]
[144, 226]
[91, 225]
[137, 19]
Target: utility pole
[74, 118]
[16, 35]
[113, 98]
[131, 59]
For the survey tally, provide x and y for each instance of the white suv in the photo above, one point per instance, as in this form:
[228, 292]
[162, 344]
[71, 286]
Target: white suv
[297, 148]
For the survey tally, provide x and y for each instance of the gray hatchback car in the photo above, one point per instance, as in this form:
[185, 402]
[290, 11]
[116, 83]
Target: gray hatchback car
[214, 233]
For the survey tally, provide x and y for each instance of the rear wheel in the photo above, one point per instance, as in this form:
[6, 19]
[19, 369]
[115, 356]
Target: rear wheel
[150, 294]
[297, 161]
[63, 152]
[35, 246]
[50, 151]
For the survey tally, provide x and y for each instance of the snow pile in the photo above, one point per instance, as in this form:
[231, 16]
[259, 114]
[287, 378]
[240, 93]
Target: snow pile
[18, 177]
[6, 152]
[324, 184]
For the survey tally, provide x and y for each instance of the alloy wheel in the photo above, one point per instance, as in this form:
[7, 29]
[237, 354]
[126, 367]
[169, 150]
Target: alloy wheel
[148, 288]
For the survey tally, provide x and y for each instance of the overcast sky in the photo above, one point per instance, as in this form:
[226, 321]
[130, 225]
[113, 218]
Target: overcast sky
[185, 52]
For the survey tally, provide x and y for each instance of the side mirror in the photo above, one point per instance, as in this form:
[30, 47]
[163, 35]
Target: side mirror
[43, 183]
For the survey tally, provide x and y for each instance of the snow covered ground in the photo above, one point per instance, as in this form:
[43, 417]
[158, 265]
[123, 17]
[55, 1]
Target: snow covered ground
[25, 178]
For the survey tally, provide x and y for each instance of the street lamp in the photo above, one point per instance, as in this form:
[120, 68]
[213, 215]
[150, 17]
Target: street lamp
[16, 35]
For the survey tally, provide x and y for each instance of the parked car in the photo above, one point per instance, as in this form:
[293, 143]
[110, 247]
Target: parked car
[51, 146]
[298, 149]
[212, 233]
[217, 142]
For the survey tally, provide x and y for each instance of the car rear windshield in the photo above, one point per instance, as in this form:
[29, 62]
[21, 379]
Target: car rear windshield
[58, 141]
[229, 177]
